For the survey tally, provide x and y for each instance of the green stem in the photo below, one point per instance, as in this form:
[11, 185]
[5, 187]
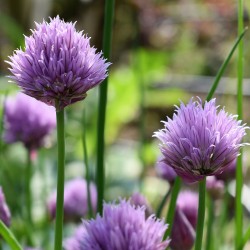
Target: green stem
[27, 187]
[86, 162]
[238, 205]
[60, 179]
[209, 242]
[107, 36]
[201, 214]
[172, 205]
[163, 202]
[9, 237]
[239, 174]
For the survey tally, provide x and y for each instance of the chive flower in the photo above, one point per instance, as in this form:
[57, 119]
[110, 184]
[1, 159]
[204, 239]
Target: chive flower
[183, 233]
[28, 121]
[58, 65]
[139, 199]
[215, 187]
[123, 226]
[229, 174]
[200, 140]
[164, 171]
[185, 220]
[187, 202]
[75, 200]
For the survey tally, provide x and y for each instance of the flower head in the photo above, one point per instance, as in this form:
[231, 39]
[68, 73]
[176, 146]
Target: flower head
[183, 233]
[28, 121]
[215, 187]
[200, 140]
[187, 202]
[123, 226]
[58, 65]
[229, 173]
[75, 200]
[185, 219]
[138, 199]
[165, 171]
[5, 215]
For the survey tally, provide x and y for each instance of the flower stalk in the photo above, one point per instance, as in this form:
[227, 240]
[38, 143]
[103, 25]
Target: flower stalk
[100, 168]
[163, 202]
[171, 211]
[60, 179]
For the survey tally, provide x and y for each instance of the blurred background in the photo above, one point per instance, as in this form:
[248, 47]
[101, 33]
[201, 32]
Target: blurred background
[162, 52]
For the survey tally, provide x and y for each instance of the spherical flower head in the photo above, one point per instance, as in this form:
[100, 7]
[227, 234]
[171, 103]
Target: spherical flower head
[75, 200]
[200, 140]
[187, 202]
[58, 65]
[229, 173]
[183, 233]
[165, 171]
[28, 121]
[215, 187]
[138, 199]
[5, 215]
[124, 226]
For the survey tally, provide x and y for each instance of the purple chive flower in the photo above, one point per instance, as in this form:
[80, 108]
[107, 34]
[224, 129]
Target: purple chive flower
[200, 140]
[215, 187]
[185, 220]
[138, 199]
[58, 65]
[229, 173]
[75, 200]
[5, 215]
[28, 121]
[123, 226]
[187, 202]
[165, 171]
[183, 233]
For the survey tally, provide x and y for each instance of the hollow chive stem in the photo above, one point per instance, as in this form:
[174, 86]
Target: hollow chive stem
[163, 202]
[100, 168]
[172, 205]
[60, 179]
